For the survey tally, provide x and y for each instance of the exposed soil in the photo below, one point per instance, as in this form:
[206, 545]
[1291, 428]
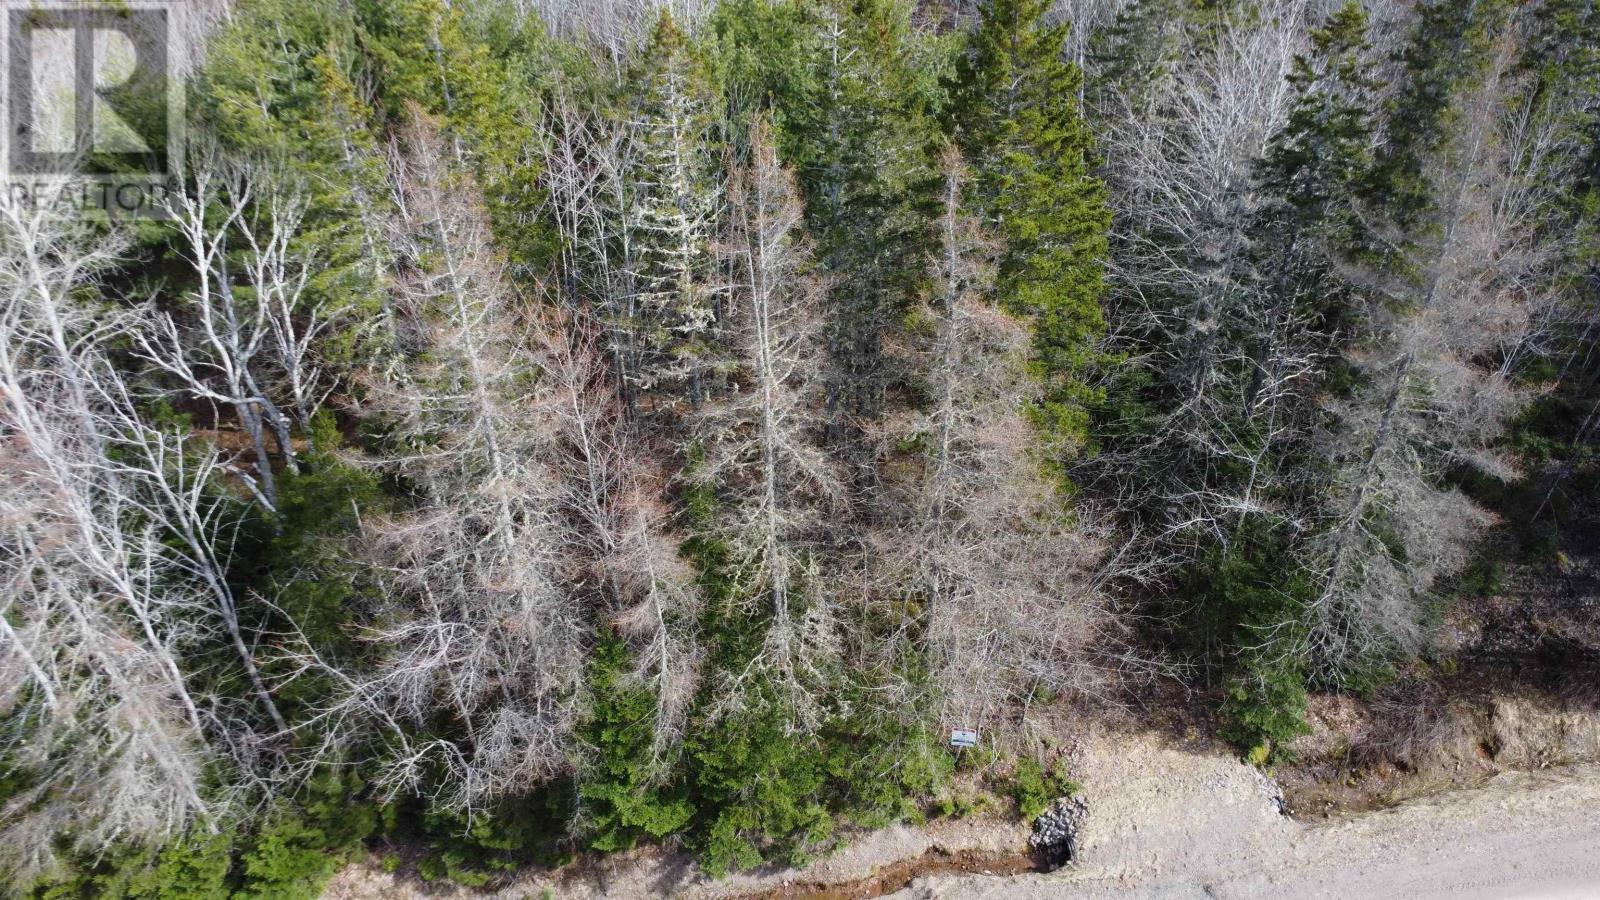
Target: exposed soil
[873, 864]
[1520, 835]
[1358, 759]
[902, 873]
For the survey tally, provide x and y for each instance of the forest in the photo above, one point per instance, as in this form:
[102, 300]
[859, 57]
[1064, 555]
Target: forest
[545, 428]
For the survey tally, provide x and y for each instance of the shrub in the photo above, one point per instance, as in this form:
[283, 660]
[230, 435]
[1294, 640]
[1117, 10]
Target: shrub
[1034, 787]
[758, 791]
[1264, 708]
[522, 831]
[620, 793]
[302, 844]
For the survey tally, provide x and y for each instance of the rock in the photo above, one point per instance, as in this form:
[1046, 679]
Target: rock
[1270, 789]
[1055, 833]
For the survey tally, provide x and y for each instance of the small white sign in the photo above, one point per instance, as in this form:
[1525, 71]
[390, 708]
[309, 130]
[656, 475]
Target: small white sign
[962, 737]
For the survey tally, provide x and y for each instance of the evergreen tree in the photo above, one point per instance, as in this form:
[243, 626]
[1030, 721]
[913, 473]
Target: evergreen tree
[711, 543]
[1131, 58]
[863, 155]
[435, 54]
[1423, 393]
[1318, 160]
[1018, 121]
[763, 54]
[620, 798]
[1250, 614]
[1449, 45]
[670, 214]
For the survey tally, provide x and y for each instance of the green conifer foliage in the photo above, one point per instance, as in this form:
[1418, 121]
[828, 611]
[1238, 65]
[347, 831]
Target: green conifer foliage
[1135, 53]
[1247, 594]
[1019, 124]
[1562, 60]
[761, 53]
[280, 85]
[699, 491]
[672, 210]
[620, 795]
[1321, 154]
[484, 83]
[1449, 45]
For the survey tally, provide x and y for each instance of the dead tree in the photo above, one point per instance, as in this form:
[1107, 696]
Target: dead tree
[278, 270]
[623, 550]
[245, 333]
[670, 208]
[94, 606]
[477, 622]
[1429, 397]
[762, 439]
[991, 581]
[589, 165]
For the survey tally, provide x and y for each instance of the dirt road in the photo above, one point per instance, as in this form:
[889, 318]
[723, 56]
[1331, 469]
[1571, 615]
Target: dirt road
[1518, 836]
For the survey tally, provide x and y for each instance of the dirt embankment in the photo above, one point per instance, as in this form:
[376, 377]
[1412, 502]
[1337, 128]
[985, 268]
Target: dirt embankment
[1363, 757]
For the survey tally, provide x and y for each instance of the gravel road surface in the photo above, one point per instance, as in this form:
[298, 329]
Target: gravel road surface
[1533, 836]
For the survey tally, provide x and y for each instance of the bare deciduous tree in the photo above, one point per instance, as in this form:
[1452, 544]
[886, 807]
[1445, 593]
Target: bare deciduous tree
[95, 607]
[245, 334]
[1221, 348]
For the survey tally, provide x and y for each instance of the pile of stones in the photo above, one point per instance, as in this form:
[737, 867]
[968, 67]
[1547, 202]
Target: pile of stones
[1055, 833]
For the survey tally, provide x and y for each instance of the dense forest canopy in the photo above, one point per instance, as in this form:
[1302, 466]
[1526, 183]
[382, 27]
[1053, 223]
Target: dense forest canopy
[548, 427]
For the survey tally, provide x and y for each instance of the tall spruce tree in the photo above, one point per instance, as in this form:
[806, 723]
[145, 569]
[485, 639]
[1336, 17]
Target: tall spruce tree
[281, 87]
[1198, 422]
[671, 213]
[438, 55]
[1019, 123]
[1425, 396]
[862, 163]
